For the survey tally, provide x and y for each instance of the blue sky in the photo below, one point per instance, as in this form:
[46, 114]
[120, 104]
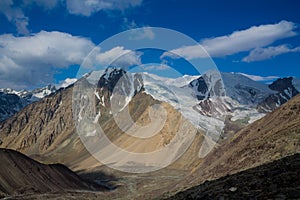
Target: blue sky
[45, 41]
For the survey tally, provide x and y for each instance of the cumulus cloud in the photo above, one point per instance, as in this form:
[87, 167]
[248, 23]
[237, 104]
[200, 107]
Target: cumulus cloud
[260, 78]
[32, 60]
[187, 52]
[88, 7]
[119, 57]
[259, 54]
[239, 41]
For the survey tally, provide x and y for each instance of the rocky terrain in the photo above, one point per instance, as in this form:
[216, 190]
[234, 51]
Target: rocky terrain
[276, 180]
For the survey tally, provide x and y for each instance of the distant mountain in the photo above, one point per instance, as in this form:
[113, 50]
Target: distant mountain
[213, 94]
[230, 94]
[20, 175]
[10, 104]
[33, 95]
[13, 101]
[285, 88]
[245, 99]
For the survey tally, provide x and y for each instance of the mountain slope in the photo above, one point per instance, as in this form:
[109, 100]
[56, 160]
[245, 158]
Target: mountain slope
[21, 175]
[272, 137]
[40, 126]
[277, 180]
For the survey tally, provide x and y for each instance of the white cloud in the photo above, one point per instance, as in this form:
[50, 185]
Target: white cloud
[187, 52]
[32, 60]
[28, 61]
[119, 57]
[239, 41]
[14, 15]
[88, 7]
[159, 67]
[65, 83]
[142, 33]
[260, 78]
[139, 32]
[269, 52]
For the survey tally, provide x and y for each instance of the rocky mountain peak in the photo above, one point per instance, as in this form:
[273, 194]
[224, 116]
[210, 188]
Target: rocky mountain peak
[200, 88]
[285, 90]
[207, 85]
[119, 86]
[283, 85]
[110, 78]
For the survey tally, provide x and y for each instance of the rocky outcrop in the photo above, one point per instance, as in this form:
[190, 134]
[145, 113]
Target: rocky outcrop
[285, 90]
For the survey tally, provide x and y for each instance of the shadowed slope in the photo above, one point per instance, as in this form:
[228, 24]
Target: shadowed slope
[21, 175]
[277, 180]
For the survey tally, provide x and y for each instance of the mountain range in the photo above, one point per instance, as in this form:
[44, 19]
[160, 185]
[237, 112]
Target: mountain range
[260, 122]
[13, 101]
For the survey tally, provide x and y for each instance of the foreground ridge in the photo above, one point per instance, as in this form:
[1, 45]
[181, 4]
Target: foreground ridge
[279, 179]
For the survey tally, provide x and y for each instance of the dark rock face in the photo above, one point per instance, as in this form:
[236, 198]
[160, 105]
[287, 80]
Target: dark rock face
[282, 84]
[285, 91]
[277, 180]
[118, 83]
[201, 88]
[114, 78]
[12, 101]
[110, 78]
[10, 104]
